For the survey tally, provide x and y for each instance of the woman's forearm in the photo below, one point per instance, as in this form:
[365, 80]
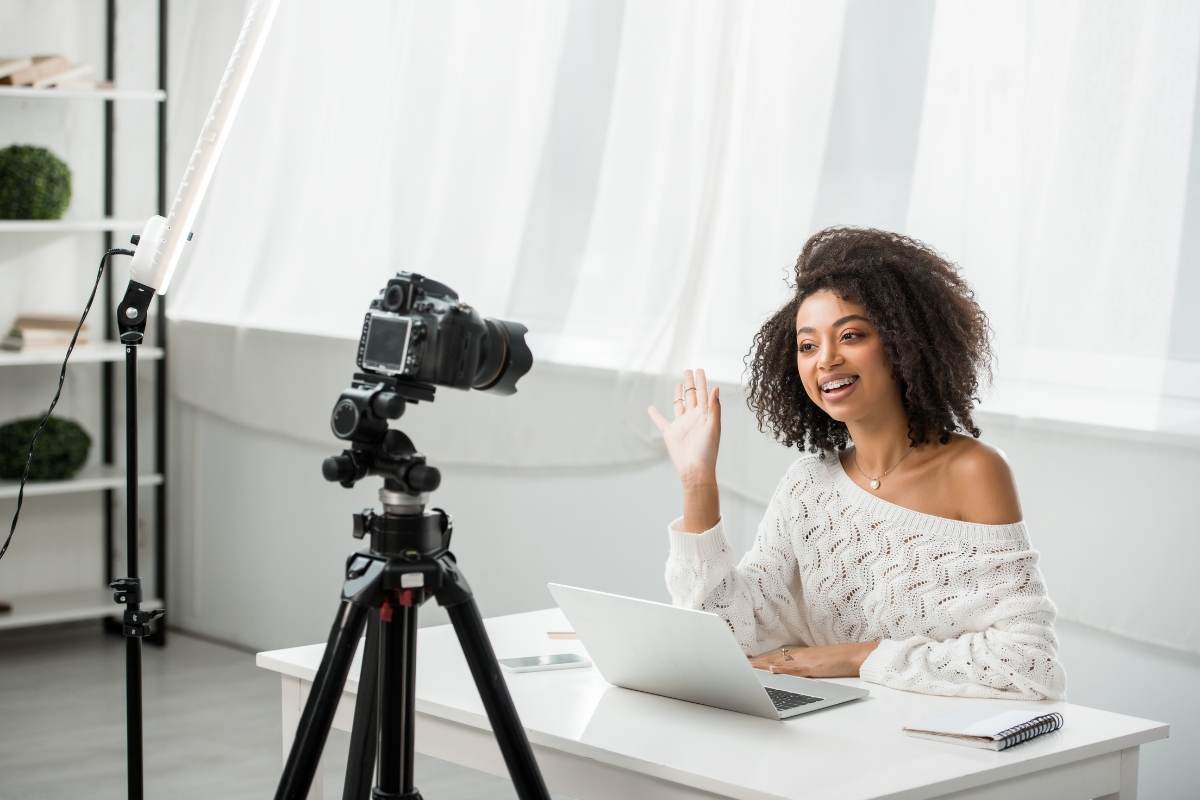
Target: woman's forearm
[701, 504]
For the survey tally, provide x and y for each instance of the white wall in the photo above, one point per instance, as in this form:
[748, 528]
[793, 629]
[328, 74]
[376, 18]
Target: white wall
[1114, 521]
[259, 538]
[1115, 674]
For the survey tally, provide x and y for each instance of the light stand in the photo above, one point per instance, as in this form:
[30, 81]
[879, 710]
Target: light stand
[131, 324]
[158, 250]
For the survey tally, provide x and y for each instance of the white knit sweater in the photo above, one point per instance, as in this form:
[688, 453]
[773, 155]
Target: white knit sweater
[958, 608]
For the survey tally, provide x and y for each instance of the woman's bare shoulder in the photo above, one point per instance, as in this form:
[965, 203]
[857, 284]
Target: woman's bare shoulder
[980, 475]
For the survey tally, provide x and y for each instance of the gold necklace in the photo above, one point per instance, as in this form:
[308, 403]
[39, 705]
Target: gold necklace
[875, 481]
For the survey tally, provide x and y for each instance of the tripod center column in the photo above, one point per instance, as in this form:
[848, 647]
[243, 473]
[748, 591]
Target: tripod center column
[397, 696]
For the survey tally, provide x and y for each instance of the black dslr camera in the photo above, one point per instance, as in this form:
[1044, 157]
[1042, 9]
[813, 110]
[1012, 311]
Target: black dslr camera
[417, 335]
[418, 330]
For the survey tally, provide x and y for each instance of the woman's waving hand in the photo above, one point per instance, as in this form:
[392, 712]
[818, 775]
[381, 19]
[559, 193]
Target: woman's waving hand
[693, 438]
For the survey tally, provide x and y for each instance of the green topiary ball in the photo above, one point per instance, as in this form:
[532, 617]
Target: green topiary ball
[62, 449]
[34, 183]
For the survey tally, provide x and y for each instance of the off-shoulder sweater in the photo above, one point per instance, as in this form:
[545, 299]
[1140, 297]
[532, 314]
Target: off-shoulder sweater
[958, 608]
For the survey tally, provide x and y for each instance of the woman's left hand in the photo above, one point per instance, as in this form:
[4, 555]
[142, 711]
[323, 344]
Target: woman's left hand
[830, 661]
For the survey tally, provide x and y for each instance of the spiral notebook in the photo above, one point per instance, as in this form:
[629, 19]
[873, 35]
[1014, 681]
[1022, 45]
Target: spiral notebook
[987, 727]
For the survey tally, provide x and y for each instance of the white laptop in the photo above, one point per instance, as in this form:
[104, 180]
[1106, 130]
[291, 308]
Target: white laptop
[685, 654]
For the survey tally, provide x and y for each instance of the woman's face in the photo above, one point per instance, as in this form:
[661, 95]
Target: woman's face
[841, 359]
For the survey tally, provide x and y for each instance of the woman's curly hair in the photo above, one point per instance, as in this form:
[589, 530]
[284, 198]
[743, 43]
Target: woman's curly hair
[934, 334]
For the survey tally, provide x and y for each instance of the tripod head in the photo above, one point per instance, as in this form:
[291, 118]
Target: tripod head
[361, 416]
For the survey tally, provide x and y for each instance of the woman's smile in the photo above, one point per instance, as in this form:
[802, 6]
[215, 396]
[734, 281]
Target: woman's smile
[838, 387]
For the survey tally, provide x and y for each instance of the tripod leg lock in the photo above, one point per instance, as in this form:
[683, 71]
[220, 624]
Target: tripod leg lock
[401, 597]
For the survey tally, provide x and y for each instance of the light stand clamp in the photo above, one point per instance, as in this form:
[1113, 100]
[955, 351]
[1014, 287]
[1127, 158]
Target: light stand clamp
[136, 620]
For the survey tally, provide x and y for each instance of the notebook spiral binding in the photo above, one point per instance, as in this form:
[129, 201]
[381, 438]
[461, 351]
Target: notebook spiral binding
[1028, 730]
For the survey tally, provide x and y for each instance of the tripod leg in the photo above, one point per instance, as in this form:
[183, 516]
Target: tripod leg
[360, 766]
[322, 702]
[514, 745]
[397, 703]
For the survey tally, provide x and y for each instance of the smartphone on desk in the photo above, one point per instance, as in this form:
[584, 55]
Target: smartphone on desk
[535, 663]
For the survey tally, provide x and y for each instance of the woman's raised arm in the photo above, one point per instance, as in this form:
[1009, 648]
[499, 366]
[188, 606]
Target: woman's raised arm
[692, 441]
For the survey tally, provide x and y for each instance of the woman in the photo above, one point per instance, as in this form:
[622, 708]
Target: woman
[895, 551]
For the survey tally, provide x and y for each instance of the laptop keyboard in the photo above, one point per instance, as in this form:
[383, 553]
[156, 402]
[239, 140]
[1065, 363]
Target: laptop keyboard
[786, 701]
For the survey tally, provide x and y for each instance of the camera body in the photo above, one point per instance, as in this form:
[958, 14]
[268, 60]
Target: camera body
[417, 330]
[417, 335]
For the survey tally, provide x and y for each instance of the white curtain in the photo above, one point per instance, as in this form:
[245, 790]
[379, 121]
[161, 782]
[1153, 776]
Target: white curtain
[417, 144]
[706, 190]
[426, 155]
[375, 137]
[1052, 165]
[710, 171]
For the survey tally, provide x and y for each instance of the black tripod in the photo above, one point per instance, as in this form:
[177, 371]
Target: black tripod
[407, 562]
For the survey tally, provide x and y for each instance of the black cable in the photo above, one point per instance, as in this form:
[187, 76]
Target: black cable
[62, 377]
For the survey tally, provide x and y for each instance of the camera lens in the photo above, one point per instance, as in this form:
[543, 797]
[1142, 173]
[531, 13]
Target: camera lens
[503, 357]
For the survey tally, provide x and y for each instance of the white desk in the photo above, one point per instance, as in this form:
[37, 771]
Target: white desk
[593, 740]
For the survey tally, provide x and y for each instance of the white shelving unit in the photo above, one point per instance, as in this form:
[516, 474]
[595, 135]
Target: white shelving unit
[82, 354]
[66, 606]
[91, 602]
[92, 478]
[70, 225]
[154, 95]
